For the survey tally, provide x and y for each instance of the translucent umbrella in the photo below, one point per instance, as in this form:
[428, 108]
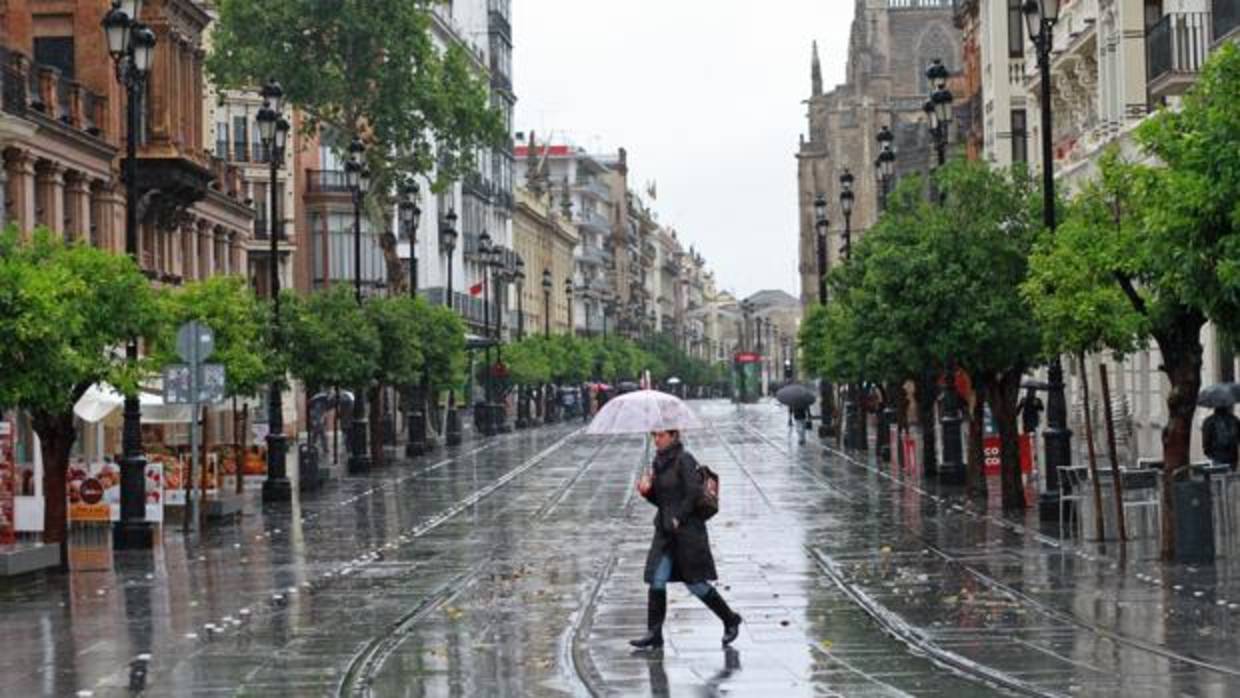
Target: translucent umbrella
[642, 412]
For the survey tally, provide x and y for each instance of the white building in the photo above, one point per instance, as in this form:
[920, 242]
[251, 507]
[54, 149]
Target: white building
[1113, 62]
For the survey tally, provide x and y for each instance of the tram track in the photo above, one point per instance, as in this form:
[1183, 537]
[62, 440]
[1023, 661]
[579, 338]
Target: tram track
[910, 635]
[363, 667]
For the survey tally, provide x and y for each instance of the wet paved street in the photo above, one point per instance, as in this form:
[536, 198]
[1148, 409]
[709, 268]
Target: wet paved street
[513, 567]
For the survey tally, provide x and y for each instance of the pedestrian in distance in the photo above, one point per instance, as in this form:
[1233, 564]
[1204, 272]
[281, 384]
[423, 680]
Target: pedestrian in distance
[680, 549]
[801, 416]
[1220, 437]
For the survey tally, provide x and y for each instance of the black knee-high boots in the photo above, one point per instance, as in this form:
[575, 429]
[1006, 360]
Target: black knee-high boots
[656, 611]
[731, 620]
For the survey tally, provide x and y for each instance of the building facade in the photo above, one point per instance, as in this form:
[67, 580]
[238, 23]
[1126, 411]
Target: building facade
[546, 242]
[890, 45]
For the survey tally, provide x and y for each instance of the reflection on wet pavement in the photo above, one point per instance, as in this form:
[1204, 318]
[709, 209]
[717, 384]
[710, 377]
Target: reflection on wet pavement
[513, 567]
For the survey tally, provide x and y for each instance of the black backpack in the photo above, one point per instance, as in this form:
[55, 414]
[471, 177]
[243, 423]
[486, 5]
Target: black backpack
[708, 504]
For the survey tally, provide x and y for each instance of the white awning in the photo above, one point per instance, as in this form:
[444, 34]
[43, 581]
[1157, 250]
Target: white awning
[101, 400]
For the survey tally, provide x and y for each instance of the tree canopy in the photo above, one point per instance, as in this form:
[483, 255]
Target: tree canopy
[66, 313]
[341, 63]
[330, 342]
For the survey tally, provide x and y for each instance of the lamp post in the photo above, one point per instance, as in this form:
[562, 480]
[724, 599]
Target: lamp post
[273, 131]
[410, 217]
[447, 243]
[499, 276]
[1040, 19]
[132, 47]
[938, 109]
[547, 284]
[518, 275]
[854, 417]
[825, 391]
[568, 294]
[357, 177]
[886, 163]
[483, 420]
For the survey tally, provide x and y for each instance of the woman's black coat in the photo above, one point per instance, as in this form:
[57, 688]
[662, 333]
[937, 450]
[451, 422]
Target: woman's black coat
[676, 490]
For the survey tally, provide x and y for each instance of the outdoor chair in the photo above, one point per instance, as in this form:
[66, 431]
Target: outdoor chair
[1141, 494]
[1072, 481]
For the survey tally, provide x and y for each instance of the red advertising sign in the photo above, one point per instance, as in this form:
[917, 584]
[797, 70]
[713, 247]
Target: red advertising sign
[991, 446]
[8, 484]
[747, 358]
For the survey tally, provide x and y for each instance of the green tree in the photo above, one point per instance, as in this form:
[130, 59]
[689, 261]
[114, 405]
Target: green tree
[368, 67]
[935, 285]
[527, 362]
[1163, 235]
[329, 342]
[243, 344]
[66, 312]
[442, 336]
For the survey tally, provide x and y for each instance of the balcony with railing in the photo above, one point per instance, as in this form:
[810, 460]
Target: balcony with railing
[1226, 18]
[497, 23]
[595, 221]
[595, 188]
[27, 88]
[1175, 49]
[326, 182]
[595, 256]
[12, 87]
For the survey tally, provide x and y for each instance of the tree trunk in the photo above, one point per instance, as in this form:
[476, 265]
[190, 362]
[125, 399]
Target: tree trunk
[1181, 353]
[56, 437]
[1003, 392]
[925, 419]
[1089, 445]
[975, 463]
[375, 395]
[1117, 481]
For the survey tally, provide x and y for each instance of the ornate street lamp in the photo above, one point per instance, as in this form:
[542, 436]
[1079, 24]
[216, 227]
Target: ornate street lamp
[886, 162]
[410, 217]
[547, 285]
[273, 132]
[447, 245]
[825, 390]
[132, 47]
[357, 176]
[568, 294]
[1040, 19]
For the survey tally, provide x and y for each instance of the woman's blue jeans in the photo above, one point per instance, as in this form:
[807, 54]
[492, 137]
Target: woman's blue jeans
[663, 573]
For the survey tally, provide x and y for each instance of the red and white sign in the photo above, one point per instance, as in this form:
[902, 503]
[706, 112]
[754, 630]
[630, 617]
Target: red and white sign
[991, 454]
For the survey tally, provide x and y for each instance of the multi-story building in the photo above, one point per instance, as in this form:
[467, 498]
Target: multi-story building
[581, 184]
[483, 202]
[891, 44]
[994, 95]
[1112, 64]
[62, 141]
[545, 240]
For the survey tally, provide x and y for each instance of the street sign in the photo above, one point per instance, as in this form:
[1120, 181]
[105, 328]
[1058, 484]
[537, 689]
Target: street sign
[178, 388]
[193, 383]
[195, 342]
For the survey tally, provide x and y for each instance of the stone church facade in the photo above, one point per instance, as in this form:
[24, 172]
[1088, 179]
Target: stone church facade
[891, 43]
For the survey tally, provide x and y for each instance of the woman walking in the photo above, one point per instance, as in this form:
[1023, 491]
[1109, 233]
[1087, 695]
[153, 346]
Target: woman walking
[680, 550]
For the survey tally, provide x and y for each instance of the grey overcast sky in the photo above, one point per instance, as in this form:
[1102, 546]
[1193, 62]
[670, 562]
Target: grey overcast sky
[706, 97]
